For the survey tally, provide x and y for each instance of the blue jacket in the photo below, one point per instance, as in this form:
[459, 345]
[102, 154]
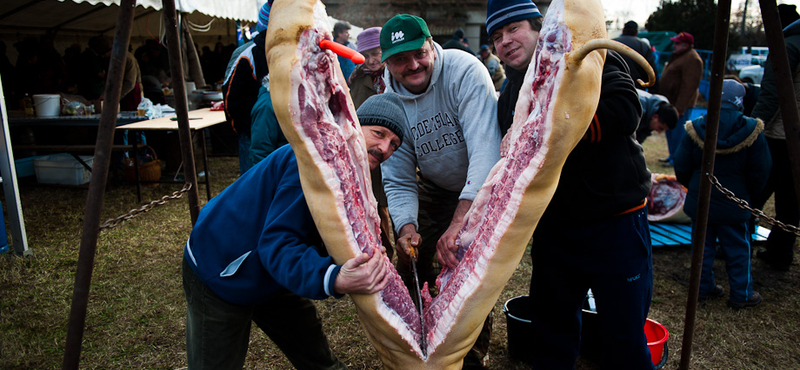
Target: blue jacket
[257, 238]
[742, 164]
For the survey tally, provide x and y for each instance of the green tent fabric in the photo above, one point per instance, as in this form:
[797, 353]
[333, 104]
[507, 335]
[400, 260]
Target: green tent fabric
[661, 41]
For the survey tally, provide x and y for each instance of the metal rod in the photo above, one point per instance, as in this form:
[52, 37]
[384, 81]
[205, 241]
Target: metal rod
[97, 185]
[785, 85]
[181, 107]
[707, 167]
[205, 163]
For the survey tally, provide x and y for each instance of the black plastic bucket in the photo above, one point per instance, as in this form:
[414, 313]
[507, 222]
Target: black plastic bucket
[518, 318]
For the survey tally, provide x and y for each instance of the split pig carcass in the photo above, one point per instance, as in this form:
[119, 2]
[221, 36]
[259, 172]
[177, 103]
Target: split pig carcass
[556, 104]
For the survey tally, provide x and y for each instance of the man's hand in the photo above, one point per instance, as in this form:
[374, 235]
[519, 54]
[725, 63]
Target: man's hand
[362, 274]
[408, 238]
[446, 247]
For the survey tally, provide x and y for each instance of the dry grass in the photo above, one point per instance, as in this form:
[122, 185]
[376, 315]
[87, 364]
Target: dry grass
[136, 309]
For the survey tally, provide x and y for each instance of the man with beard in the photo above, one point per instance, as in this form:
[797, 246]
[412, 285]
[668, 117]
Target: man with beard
[451, 136]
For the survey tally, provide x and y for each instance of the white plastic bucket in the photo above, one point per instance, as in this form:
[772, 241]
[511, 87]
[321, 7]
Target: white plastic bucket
[47, 105]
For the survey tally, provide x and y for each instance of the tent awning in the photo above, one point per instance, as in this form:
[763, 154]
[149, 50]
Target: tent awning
[228, 9]
[87, 16]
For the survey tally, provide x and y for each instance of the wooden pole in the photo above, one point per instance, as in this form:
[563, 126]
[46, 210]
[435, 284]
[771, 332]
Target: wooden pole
[97, 185]
[709, 151]
[181, 106]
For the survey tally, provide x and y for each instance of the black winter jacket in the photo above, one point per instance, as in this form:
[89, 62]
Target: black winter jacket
[605, 175]
[241, 90]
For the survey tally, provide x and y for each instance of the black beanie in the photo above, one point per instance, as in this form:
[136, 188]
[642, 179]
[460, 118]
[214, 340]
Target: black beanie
[383, 110]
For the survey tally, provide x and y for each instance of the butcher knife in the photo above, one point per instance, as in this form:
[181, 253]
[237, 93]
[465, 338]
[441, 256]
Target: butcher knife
[422, 343]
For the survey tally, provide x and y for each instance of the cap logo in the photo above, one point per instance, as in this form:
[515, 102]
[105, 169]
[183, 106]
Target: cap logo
[398, 36]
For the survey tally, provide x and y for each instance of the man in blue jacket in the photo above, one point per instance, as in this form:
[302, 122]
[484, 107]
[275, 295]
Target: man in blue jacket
[256, 255]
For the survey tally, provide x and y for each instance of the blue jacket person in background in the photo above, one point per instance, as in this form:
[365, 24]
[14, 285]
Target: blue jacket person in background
[255, 255]
[742, 165]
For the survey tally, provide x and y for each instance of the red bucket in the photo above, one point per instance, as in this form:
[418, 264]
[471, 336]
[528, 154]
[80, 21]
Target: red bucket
[657, 336]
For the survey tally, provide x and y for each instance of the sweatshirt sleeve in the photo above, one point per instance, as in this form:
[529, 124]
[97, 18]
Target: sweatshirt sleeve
[400, 184]
[477, 112]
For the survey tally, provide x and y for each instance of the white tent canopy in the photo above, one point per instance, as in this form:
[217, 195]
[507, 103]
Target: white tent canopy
[75, 21]
[246, 10]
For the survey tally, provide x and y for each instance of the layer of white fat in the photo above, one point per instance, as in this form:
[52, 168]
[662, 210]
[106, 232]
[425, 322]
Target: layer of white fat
[320, 88]
[394, 320]
[447, 320]
[539, 104]
[308, 45]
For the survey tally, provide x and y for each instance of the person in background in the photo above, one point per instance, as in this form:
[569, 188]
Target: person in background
[51, 67]
[131, 94]
[255, 255]
[341, 34]
[72, 67]
[778, 252]
[7, 71]
[492, 63]
[788, 14]
[659, 115]
[94, 62]
[742, 165]
[153, 59]
[457, 42]
[265, 133]
[242, 85]
[629, 39]
[680, 81]
[452, 143]
[606, 246]
[367, 77]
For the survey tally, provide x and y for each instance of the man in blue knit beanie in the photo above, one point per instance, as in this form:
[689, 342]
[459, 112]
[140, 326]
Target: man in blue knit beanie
[606, 246]
[513, 27]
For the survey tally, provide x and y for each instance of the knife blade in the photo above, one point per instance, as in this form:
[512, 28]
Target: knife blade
[422, 343]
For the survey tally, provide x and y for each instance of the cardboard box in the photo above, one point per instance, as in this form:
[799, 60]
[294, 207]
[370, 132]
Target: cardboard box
[62, 169]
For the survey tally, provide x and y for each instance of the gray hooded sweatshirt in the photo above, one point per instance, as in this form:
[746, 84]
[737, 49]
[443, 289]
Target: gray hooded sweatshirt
[451, 135]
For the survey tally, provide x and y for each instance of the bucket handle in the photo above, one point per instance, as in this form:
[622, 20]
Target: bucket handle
[664, 357]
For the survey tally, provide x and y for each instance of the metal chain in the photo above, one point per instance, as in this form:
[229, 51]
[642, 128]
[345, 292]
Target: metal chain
[743, 204]
[113, 222]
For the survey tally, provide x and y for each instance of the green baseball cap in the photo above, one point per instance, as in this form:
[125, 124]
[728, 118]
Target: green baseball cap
[404, 32]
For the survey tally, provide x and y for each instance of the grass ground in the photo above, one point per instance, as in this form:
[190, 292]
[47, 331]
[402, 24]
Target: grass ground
[136, 311]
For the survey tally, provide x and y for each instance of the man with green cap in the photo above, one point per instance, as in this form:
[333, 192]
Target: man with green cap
[452, 140]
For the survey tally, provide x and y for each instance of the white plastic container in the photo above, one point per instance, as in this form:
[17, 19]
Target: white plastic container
[47, 105]
[62, 169]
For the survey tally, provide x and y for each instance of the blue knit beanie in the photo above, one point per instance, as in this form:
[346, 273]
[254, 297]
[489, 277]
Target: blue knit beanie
[502, 12]
[732, 94]
[263, 17]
